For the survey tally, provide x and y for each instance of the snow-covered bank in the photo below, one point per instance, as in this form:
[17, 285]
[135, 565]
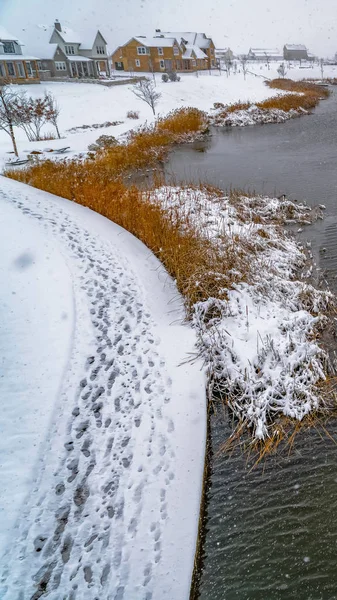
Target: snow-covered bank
[254, 116]
[258, 332]
[112, 505]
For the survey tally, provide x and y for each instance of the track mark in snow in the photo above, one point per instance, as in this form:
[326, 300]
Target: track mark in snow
[108, 446]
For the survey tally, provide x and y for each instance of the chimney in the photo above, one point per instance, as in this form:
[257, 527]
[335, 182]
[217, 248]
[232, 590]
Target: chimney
[57, 25]
[158, 31]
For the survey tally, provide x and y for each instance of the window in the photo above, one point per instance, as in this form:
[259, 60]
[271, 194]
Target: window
[29, 69]
[213, 63]
[70, 50]
[39, 65]
[212, 50]
[194, 62]
[2, 70]
[21, 70]
[100, 50]
[160, 51]
[137, 62]
[10, 69]
[60, 66]
[162, 64]
[9, 47]
[141, 50]
[175, 50]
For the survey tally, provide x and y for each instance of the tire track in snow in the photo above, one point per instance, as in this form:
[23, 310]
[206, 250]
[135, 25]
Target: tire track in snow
[96, 506]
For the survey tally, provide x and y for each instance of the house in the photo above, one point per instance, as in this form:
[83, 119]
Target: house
[295, 52]
[15, 66]
[165, 52]
[224, 54]
[64, 53]
[265, 54]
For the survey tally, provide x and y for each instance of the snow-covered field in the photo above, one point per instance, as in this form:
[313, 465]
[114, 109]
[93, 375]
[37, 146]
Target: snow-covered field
[86, 104]
[102, 426]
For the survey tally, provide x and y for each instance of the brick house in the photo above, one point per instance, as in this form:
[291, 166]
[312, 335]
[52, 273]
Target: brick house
[15, 66]
[165, 52]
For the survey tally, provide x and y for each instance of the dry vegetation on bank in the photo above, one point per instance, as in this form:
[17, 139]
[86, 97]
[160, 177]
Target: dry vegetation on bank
[302, 98]
[216, 247]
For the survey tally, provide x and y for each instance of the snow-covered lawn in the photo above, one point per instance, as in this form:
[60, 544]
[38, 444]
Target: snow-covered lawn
[102, 426]
[86, 104]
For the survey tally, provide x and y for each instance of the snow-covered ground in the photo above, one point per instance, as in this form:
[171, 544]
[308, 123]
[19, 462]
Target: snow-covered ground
[103, 421]
[86, 104]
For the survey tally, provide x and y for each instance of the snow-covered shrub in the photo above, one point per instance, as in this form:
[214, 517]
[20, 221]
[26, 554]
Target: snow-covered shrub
[165, 77]
[173, 76]
[132, 114]
[102, 143]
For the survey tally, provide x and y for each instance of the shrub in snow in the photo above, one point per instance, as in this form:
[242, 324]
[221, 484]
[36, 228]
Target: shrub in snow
[132, 114]
[173, 76]
[102, 143]
[165, 77]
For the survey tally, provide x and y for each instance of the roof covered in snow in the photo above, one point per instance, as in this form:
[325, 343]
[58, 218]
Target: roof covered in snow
[156, 42]
[265, 51]
[17, 57]
[79, 59]
[6, 35]
[39, 44]
[295, 47]
[191, 37]
[88, 39]
[69, 36]
[193, 51]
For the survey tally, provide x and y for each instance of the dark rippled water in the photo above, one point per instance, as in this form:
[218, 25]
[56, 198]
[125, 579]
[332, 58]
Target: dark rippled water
[271, 533]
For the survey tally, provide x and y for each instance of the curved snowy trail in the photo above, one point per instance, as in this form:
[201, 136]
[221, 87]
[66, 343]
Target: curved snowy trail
[112, 508]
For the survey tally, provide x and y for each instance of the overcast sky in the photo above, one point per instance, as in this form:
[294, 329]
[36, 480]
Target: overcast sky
[235, 23]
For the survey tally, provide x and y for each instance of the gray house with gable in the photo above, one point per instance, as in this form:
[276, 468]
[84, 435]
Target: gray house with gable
[65, 53]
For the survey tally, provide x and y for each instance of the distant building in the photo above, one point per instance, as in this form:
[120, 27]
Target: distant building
[264, 54]
[224, 54]
[169, 51]
[295, 52]
[15, 66]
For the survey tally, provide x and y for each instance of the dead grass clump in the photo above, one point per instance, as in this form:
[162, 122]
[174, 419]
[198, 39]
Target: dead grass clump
[304, 95]
[237, 106]
[183, 121]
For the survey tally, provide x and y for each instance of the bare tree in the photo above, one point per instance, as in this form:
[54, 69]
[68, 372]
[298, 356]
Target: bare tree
[8, 114]
[52, 111]
[321, 64]
[282, 70]
[229, 65]
[31, 116]
[145, 90]
[267, 60]
[243, 62]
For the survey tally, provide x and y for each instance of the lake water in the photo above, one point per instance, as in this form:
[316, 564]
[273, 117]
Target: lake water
[271, 532]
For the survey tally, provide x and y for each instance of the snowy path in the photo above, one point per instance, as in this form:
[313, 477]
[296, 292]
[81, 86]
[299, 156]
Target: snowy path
[113, 504]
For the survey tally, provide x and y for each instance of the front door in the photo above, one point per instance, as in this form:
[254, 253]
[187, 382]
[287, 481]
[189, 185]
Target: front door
[168, 66]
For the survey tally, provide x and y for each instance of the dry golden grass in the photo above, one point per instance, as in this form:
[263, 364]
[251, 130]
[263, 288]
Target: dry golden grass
[237, 106]
[183, 121]
[305, 95]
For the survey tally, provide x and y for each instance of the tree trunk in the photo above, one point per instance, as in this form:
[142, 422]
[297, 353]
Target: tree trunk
[11, 130]
[57, 130]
